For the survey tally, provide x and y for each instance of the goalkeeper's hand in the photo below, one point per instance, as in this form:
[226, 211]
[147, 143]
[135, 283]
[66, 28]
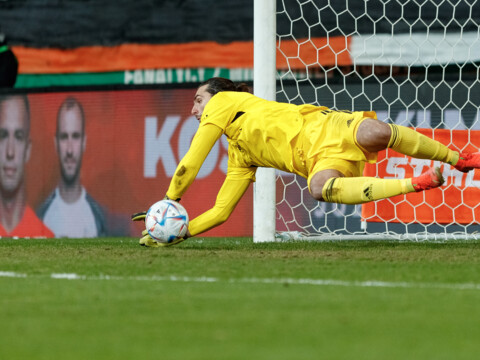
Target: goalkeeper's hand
[146, 239]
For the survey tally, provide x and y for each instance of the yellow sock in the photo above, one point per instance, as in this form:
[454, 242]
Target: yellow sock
[359, 190]
[410, 142]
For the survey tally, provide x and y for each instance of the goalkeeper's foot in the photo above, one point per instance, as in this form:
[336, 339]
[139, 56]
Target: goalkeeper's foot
[430, 179]
[468, 161]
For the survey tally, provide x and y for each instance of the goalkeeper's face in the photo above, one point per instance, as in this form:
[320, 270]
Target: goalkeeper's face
[202, 97]
[70, 143]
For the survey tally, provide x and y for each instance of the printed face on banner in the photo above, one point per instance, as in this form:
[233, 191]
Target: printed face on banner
[14, 143]
[70, 143]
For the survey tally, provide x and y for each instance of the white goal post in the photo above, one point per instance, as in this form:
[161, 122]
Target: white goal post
[416, 63]
[264, 86]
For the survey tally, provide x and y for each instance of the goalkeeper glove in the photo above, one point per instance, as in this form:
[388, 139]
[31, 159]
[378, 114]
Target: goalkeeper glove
[146, 239]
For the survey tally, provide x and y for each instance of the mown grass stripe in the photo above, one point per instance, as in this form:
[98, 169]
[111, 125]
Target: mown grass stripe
[285, 281]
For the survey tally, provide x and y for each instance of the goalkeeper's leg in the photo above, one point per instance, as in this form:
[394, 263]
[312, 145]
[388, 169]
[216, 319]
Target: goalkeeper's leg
[331, 186]
[374, 135]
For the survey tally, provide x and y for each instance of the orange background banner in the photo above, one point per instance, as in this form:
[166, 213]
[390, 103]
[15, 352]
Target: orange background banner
[455, 202]
[238, 54]
[135, 139]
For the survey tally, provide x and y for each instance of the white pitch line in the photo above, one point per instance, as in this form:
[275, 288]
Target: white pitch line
[68, 276]
[282, 281]
[11, 274]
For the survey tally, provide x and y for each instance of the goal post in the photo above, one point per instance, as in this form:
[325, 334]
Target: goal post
[412, 69]
[264, 86]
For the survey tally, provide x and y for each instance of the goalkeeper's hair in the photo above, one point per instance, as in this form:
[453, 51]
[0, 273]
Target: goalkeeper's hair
[218, 84]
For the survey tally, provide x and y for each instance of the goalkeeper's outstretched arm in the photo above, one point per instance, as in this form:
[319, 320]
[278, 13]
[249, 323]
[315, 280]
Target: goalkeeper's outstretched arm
[228, 197]
[203, 141]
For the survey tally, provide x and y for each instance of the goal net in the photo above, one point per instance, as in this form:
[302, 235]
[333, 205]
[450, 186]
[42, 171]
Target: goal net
[416, 63]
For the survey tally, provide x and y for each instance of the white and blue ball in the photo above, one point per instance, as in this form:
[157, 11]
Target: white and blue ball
[166, 220]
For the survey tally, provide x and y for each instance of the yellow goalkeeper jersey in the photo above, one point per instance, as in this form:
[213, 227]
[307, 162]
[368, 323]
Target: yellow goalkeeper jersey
[260, 133]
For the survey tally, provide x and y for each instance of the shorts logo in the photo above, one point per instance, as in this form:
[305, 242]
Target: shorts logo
[368, 191]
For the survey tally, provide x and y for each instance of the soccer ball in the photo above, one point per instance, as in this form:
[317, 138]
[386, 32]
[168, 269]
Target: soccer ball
[166, 220]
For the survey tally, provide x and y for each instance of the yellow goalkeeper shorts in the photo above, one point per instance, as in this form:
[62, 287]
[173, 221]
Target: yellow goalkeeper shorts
[328, 141]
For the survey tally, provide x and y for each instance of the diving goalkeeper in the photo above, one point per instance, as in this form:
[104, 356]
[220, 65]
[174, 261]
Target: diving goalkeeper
[327, 147]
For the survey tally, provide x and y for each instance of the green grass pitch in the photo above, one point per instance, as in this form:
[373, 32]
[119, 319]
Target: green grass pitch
[228, 298]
